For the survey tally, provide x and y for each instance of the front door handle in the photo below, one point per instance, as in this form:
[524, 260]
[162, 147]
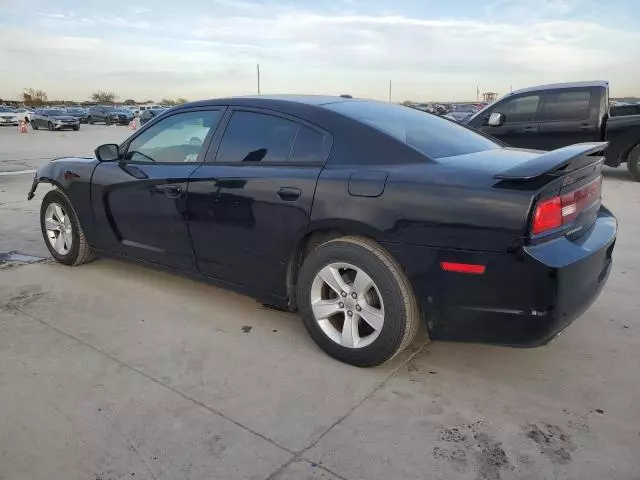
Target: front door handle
[171, 191]
[585, 126]
[531, 128]
[289, 193]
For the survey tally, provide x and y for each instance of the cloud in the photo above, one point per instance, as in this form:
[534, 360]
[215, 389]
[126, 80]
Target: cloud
[323, 50]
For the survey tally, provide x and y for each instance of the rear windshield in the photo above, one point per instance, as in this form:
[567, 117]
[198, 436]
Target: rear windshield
[427, 133]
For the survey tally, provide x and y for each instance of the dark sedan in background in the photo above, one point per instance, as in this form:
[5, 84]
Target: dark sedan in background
[54, 119]
[80, 113]
[108, 115]
[370, 219]
[150, 113]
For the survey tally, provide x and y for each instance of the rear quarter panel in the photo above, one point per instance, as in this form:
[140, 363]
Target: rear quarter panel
[425, 205]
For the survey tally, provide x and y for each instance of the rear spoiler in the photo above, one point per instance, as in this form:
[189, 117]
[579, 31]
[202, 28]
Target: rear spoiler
[549, 162]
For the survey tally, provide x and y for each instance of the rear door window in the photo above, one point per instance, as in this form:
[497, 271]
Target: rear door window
[569, 105]
[265, 138]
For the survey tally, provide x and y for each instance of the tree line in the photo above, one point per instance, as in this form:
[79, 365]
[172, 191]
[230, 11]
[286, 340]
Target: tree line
[37, 97]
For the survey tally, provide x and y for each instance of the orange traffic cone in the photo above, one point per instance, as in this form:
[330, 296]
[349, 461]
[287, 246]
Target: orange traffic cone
[132, 124]
[23, 126]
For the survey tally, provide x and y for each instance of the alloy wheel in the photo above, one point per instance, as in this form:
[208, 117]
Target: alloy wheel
[347, 305]
[59, 229]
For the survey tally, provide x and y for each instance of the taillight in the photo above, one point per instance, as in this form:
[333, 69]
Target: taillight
[563, 209]
[548, 215]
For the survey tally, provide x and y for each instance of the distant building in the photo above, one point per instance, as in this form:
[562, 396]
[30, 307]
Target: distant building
[489, 97]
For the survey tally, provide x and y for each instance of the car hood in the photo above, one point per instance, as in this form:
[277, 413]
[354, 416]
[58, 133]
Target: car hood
[491, 161]
[62, 117]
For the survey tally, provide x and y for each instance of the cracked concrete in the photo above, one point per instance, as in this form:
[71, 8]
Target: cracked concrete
[112, 370]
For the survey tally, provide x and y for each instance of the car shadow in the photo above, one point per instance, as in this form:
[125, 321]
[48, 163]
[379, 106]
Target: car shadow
[620, 173]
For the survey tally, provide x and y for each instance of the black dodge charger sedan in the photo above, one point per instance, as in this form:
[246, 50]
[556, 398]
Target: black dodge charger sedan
[370, 219]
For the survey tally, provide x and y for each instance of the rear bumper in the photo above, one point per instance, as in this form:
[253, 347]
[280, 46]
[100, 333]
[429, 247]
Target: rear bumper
[523, 299]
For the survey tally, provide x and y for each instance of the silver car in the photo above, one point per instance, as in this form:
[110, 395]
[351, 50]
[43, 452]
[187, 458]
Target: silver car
[54, 119]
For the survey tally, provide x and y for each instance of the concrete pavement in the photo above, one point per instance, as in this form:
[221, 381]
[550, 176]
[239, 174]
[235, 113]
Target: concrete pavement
[112, 370]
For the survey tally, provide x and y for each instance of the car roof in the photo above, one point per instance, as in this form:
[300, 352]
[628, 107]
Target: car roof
[554, 86]
[258, 100]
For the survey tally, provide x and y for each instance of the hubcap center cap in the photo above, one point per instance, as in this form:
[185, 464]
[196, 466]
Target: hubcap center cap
[349, 303]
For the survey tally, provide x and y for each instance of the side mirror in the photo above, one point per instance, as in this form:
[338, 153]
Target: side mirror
[495, 119]
[108, 152]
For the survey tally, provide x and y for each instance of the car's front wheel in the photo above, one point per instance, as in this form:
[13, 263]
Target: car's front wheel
[356, 302]
[76, 127]
[34, 125]
[50, 126]
[62, 231]
[90, 121]
[107, 121]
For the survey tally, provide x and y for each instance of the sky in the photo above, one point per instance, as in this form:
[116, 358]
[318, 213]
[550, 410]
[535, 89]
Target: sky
[428, 49]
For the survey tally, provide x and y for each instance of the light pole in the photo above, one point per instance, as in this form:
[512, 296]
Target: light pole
[258, 70]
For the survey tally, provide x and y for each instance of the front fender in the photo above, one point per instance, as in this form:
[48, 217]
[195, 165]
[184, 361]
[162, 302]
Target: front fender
[63, 173]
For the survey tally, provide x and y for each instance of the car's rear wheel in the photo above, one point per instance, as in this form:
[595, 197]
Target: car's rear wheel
[356, 302]
[107, 121]
[633, 163]
[90, 120]
[50, 126]
[34, 125]
[62, 231]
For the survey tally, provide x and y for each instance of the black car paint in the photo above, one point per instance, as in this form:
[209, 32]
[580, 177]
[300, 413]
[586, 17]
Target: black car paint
[101, 114]
[622, 132]
[228, 223]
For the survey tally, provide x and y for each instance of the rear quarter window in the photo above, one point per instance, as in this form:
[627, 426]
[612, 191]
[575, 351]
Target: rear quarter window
[431, 135]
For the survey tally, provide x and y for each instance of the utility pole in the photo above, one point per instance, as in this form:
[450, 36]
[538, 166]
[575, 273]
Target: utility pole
[389, 91]
[258, 70]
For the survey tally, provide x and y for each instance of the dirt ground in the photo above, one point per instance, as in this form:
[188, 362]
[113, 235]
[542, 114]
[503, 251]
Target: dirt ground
[113, 370]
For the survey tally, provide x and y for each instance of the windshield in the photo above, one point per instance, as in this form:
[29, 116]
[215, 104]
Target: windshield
[75, 110]
[5, 109]
[56, 112]
[427, 133]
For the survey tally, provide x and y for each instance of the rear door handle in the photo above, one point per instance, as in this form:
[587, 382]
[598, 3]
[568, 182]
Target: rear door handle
[531, 128]
[171, 191]
[585, 126]
[289, 193]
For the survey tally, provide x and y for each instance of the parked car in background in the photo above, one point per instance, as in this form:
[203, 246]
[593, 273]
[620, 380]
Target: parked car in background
[80, 113]
[150, 113]
[108, 115]
[8, 116]
[461, 113]
[25, 113]
[553, 116]
[53, 119]
[368, 218]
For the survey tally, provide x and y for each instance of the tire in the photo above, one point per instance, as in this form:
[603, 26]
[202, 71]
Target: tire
[79, 251]
[633, 163]
[34, 125]
[90, 120]
[50, 126]
[76, 128]
[107, 121]
[396, 302]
